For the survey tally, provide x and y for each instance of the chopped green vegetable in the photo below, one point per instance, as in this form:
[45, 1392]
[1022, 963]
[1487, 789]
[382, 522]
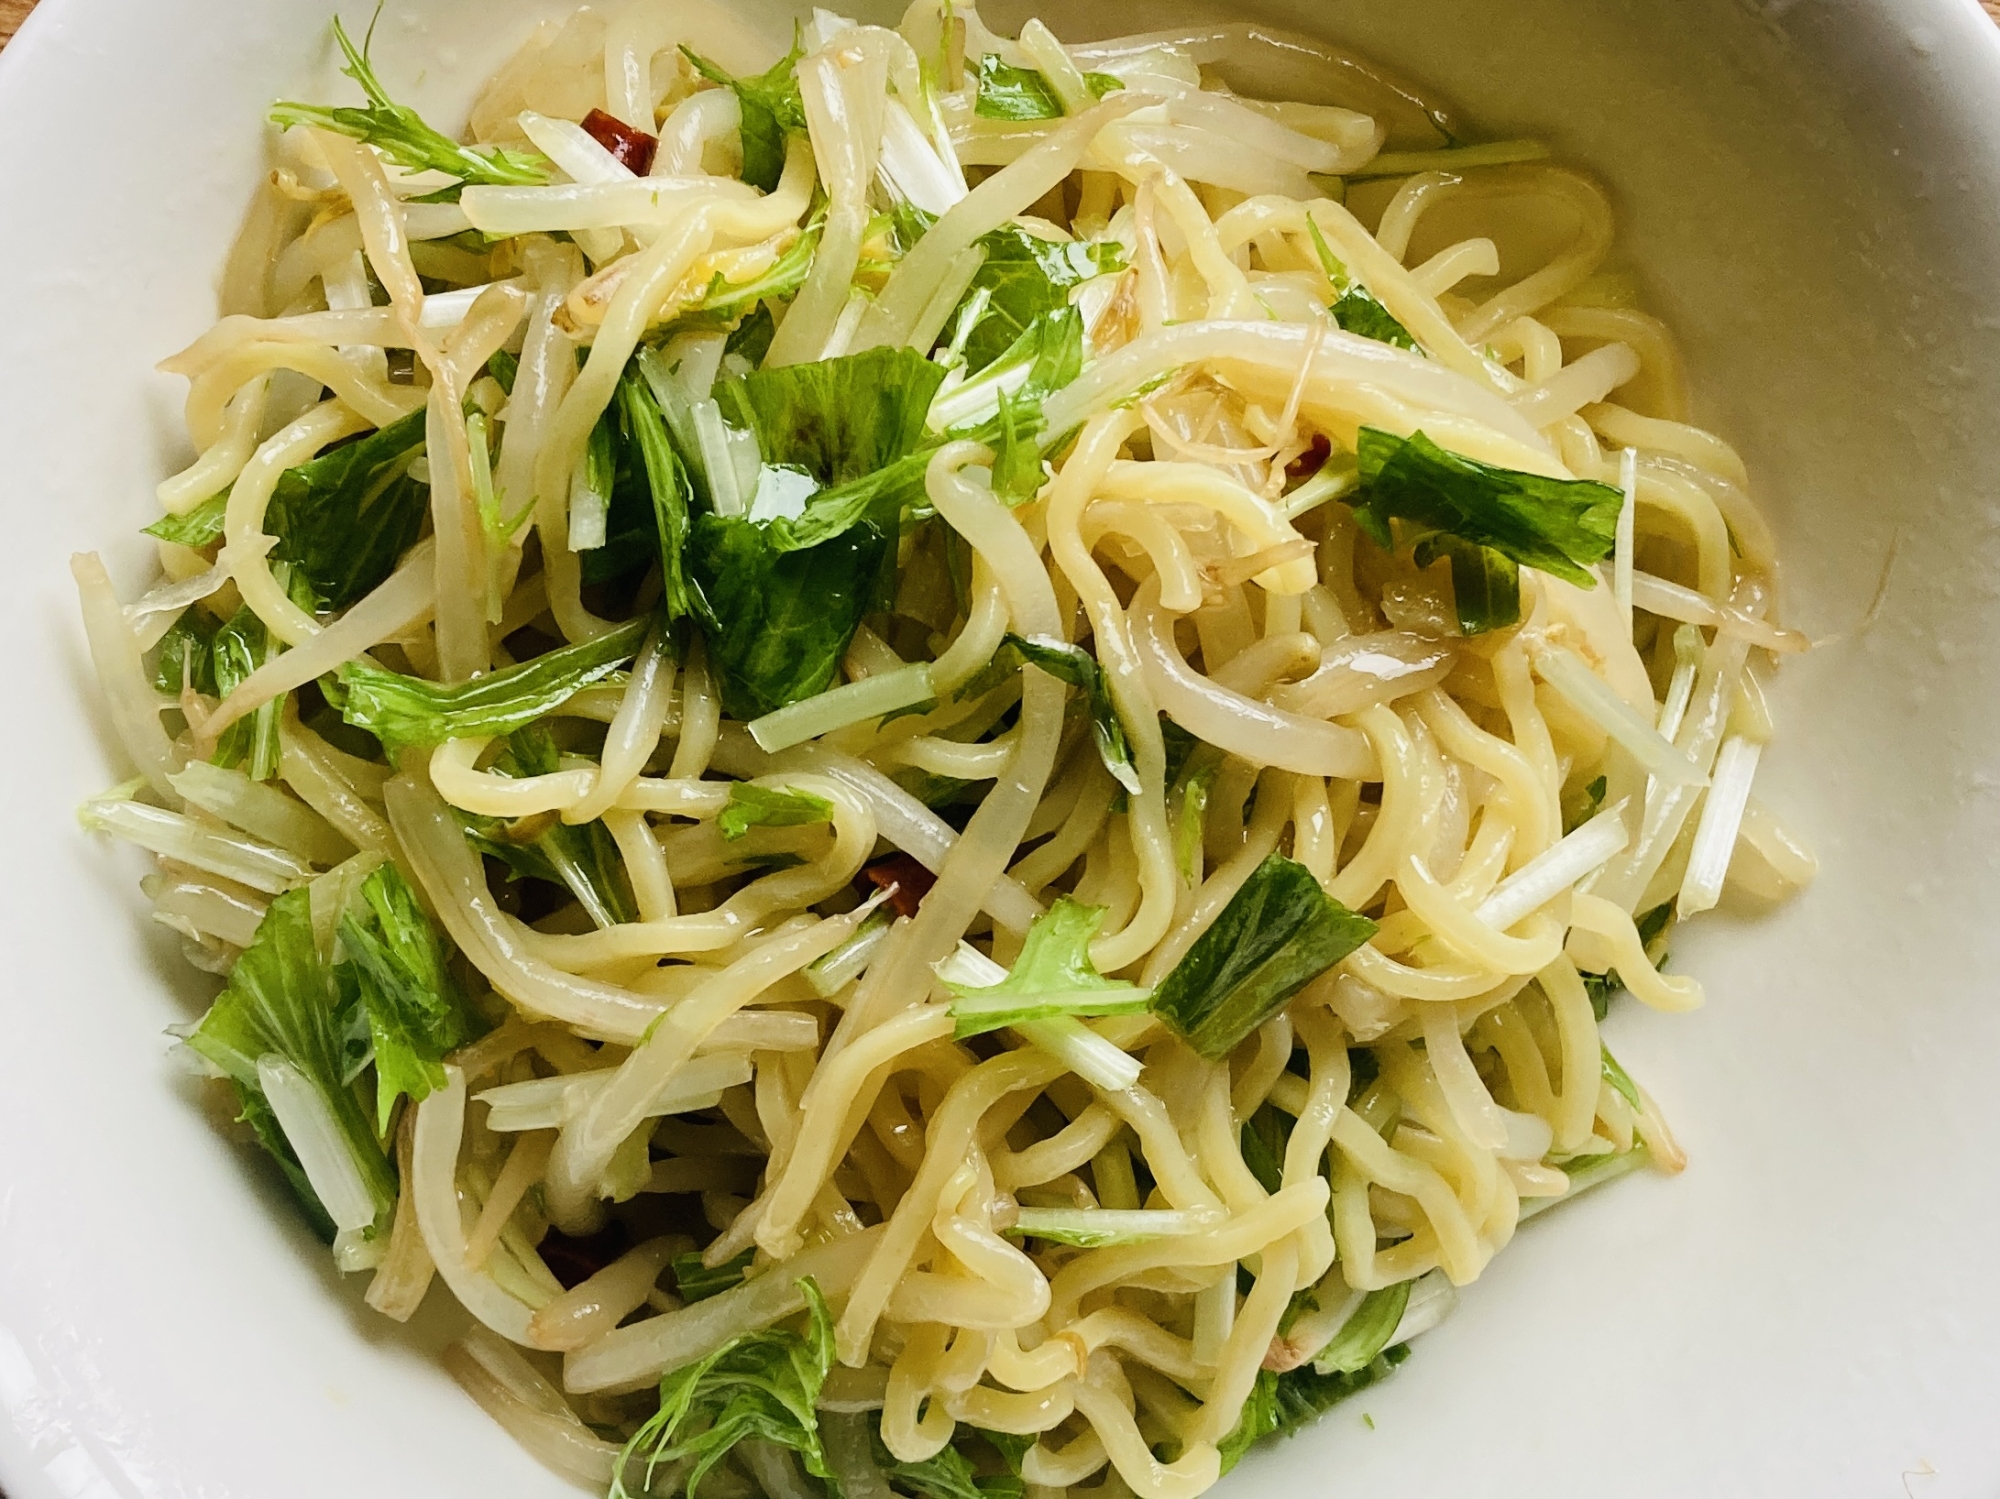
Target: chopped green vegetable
[1102, 1228]
[1580, 809]
[282, 1001]
[1264, 1136]
[948, 1475]
[400, 134]
[1285, 1403]
[770, 807]
[695, 1281]
[186, 654]
[1355, 308]
[837, 419]
[504, 368]
[1018, 470]
[1485, 587]
[583, 858]
[1044, 359]
[410, 712]
[1006, 92]
[1047, 356]
[238, 649]
[752, 339]
[390, 959]
[1191, 784]
[343, 520]
[781, 279]
[1487, 520]
[1619, 1078]
[780, 599]
[1366, 1332]
[1022, 278]
[763, 1385]
[1277, 934]
[666, 481]
[772, 112]
[1079, 669]
[198, 528]
[1011, 1446]
[777, 622]
[1052, 977]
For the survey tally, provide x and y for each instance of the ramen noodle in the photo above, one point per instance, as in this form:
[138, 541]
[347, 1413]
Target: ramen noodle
[931, 752]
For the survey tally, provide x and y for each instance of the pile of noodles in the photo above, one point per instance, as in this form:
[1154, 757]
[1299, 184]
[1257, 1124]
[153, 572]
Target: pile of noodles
[1434, 1079]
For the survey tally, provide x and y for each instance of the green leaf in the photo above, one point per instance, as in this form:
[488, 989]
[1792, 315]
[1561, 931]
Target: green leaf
[1264, 1136]
[584, 858]
[1012, 1447]
[1022, 278]
[1485, 586]
[1052, 977]
[1561, 526]
[1101, 84]
[393, 960]
[1010, 93]
[781, 279]
[238, 649]
[1046, 356]
[186, 654]
[1355, 309]
[1018, 471]
[770, 807]
[666, 481]
[837, 419]
[409, 712]
[948, 1475]
[778, 622]
[282, 1000]
[1044, 359]
[400, 134]
[345, 519]
[763, 1385]
[752, 339]
[779, 600]
[255, 1110]
[772, 111]
[200, 527]
[1579, 810]
[504, 368]
[697, 1282]
[1278, 933]
[1079, 669]
[1619, 1078]
[1365, 1333]
[1285, 1403]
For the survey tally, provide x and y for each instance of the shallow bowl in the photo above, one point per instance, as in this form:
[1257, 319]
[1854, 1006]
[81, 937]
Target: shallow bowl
[1809, 193]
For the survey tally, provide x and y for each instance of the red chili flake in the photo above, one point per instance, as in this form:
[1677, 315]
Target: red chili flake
[1308, 463]
[633, 148]
[907, 881]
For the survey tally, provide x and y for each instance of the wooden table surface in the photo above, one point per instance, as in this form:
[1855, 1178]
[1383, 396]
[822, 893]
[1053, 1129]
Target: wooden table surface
[12, 13]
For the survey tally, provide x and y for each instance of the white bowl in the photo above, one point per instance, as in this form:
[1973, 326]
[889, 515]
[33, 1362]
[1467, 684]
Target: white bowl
[1811, 192]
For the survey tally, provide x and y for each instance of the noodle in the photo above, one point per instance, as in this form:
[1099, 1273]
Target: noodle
[987, 763]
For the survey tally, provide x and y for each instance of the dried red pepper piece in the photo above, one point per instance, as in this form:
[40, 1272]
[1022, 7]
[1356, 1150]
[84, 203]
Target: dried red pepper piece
[632, 147]
[1310, 461]
[907, 881]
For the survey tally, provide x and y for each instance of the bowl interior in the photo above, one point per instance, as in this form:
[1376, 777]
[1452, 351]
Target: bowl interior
[1808, 194]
